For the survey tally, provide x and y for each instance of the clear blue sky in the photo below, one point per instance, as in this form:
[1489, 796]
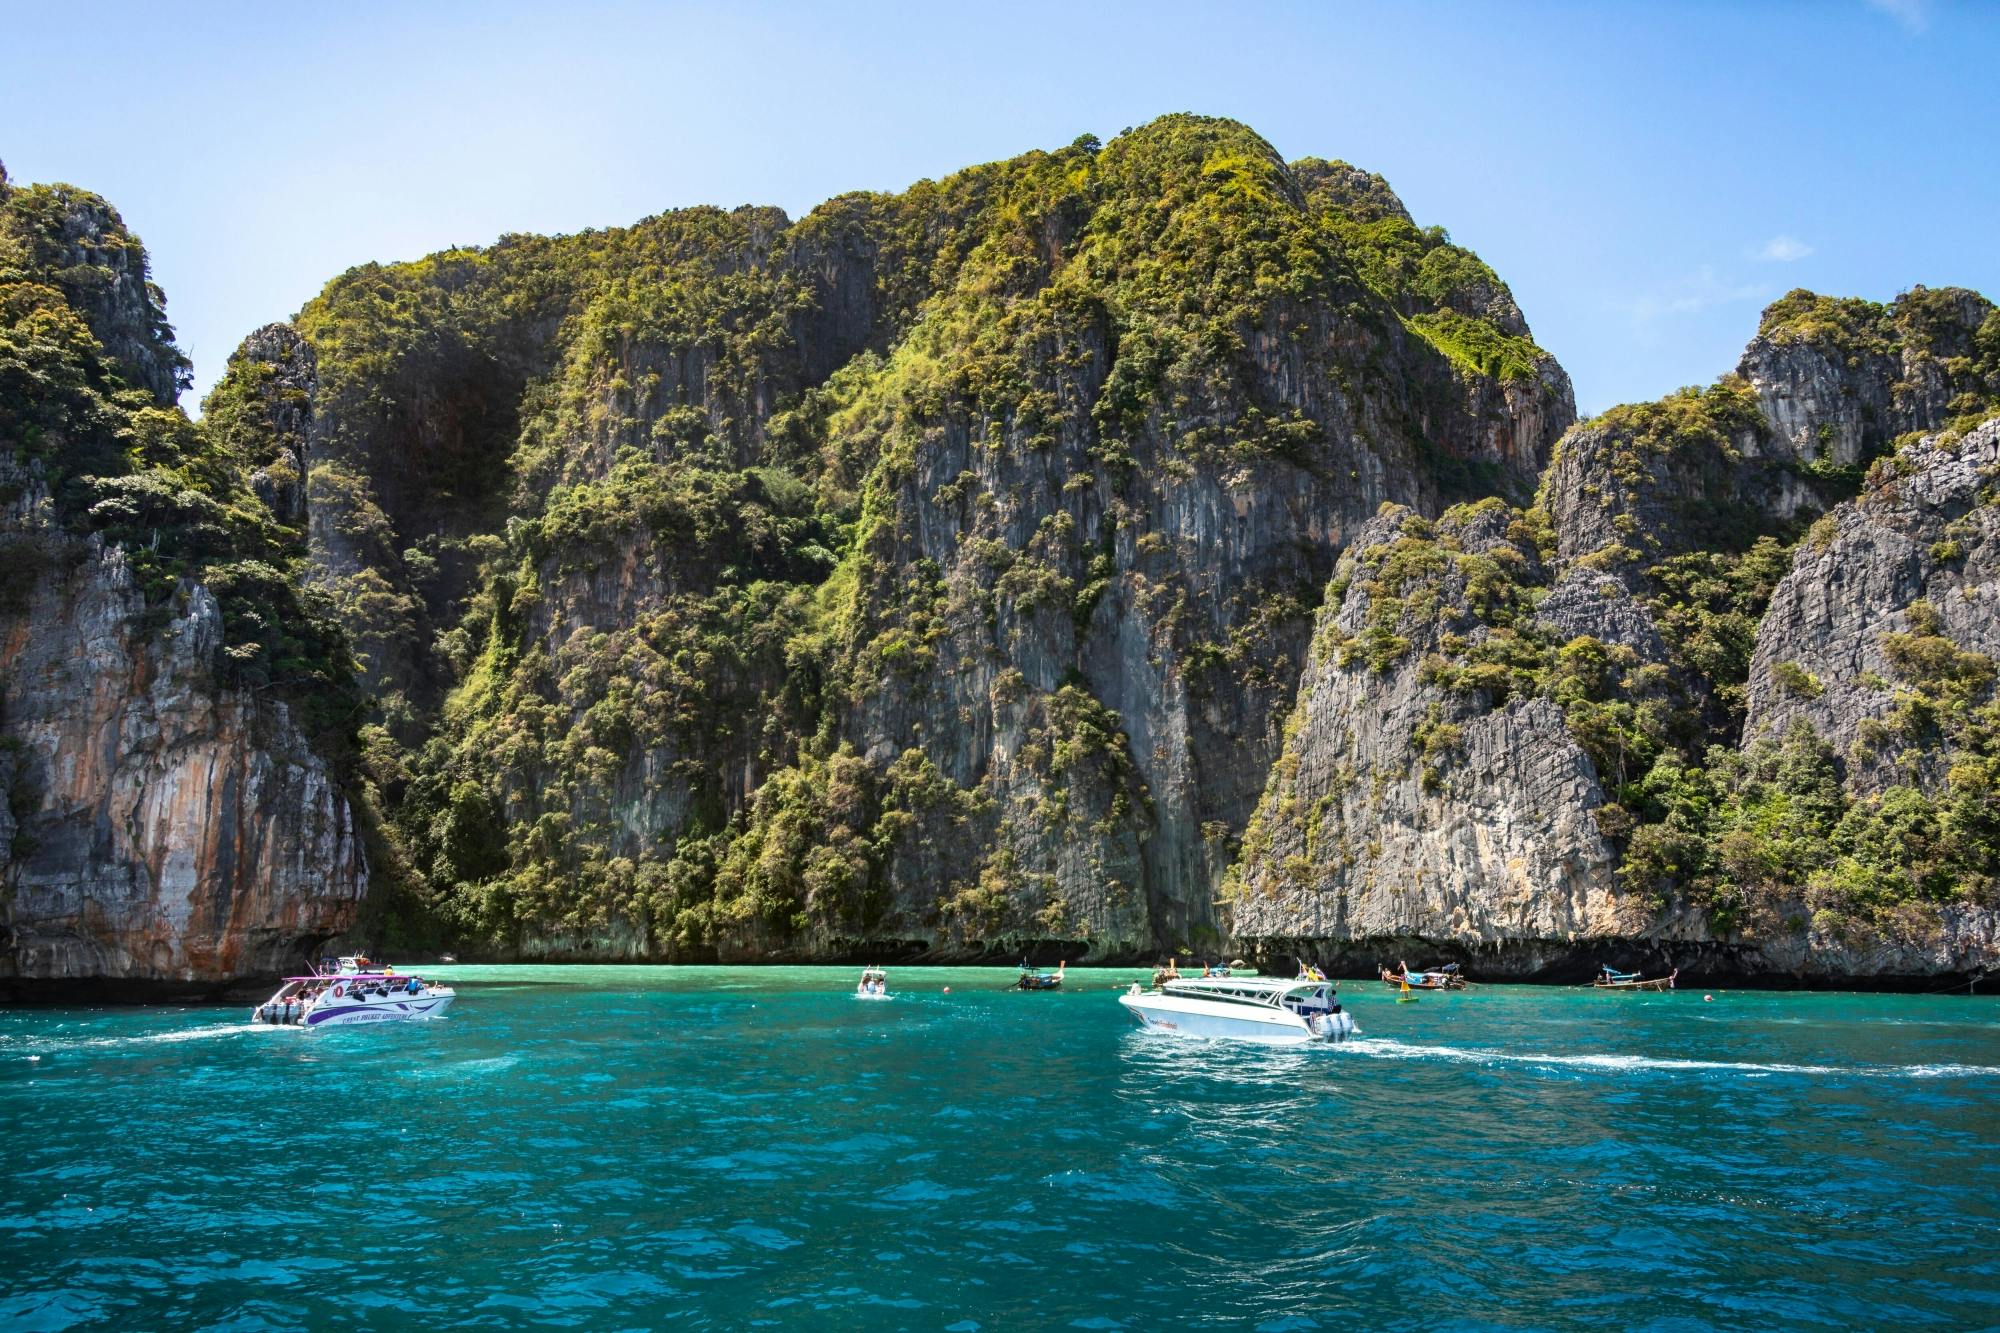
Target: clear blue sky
[1645, 176]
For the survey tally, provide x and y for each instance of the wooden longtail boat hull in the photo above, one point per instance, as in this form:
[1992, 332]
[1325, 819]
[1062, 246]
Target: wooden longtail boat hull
[1639, 983]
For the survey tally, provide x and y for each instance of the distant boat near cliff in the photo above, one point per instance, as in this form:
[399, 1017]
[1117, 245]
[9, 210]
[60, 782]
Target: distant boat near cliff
[1610, 979]
[1033, 978]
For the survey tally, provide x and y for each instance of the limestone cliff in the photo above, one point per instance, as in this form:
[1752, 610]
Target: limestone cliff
[1839, 381]
[1406, 810]
[1134, 546]
[1881, 645]
[1825, 387]
[928, 574]
[166, 827]
[75, 242]
[170, 712]
[1546, 737]
[1913, 561]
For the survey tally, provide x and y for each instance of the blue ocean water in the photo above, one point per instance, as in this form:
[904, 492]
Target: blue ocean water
[605, 1148]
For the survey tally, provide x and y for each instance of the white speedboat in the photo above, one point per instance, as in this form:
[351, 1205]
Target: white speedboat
[347, 997]
[874, 985]
[1269, 1009]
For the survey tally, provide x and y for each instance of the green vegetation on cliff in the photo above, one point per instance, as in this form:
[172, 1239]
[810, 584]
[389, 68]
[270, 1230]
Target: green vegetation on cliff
[1666, 528]
[652, 539]
[938, 569]
[1445, 294]
[88, 373]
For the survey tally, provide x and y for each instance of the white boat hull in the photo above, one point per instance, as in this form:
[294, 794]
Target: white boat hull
[1206, 1018]
[395, 1009]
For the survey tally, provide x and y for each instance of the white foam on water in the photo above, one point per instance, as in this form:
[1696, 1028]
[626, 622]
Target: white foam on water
[459, 1069]
[1383, 1048]
[59, 1046]
[188, 1034]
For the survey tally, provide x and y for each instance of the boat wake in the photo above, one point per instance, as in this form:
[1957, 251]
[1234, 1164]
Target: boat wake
[1383, 1048]
[44, 1047]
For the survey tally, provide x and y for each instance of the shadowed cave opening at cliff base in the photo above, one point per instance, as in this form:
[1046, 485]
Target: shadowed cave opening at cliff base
[1143, 547]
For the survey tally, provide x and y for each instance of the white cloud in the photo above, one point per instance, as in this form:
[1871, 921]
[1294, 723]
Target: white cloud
[1914, 15]
[1697, 292]
[1784, 249]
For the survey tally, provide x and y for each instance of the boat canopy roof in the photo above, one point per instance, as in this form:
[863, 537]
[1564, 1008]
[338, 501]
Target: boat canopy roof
[1268, 990]
[345, 977]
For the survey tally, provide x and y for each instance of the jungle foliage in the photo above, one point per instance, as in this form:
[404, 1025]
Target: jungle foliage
[718, 415]
[88, 424]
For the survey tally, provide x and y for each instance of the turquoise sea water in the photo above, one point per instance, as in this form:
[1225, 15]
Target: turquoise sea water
[732, 1148]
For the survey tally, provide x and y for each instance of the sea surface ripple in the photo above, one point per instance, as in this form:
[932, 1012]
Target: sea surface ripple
[610, 1147]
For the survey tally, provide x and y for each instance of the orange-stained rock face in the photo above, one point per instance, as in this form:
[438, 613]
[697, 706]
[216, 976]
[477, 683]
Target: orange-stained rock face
[160, 826]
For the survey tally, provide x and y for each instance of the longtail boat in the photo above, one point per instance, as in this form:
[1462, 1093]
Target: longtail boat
[1438, 978]
[1612, 979]
[1033, 978]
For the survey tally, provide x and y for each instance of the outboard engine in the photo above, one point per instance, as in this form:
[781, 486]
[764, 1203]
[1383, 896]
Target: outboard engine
[1333, 1025]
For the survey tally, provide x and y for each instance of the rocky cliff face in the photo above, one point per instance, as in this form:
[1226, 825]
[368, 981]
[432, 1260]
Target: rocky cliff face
[1876, 592]
[165, 827]
[1542, 737]
[1121, 608]
[1825, 387]
[1029, 481]
[1403, 812]
[1880, 645]
[1032, 482]
[75, 242]
[1139, 546]
[175, 812]
[1838, 381]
